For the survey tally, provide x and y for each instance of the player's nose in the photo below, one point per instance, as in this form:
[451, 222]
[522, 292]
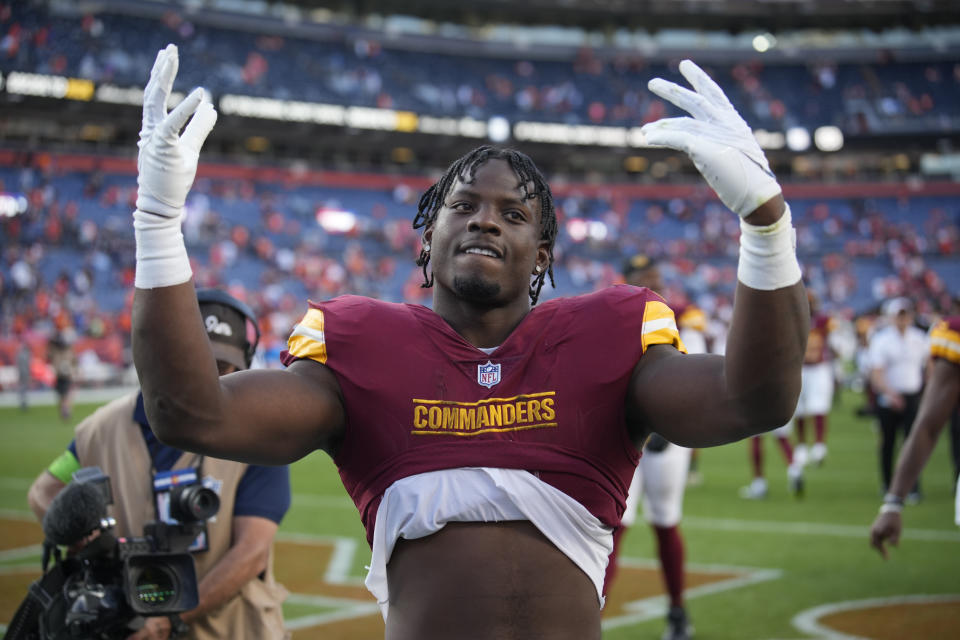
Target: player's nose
[485, 219]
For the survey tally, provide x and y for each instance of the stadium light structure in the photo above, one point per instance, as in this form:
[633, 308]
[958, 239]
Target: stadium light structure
[12, 204]
[498, 129]
[798, 139]
[336, 221]
[828, 138]
[763, 42]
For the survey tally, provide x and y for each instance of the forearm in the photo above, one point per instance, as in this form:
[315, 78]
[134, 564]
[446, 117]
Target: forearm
[766, 343]
[936, 405]
[238, 566]
[42, 492]
[913, 458]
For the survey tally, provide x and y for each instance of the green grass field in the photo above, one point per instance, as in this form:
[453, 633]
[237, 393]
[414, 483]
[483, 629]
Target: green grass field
[818, 545]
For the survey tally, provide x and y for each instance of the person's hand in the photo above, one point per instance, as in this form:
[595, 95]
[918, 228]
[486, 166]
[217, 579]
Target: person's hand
[896, 401]
[167, 162]
[157, 628]
[716, 138]
[886, 529]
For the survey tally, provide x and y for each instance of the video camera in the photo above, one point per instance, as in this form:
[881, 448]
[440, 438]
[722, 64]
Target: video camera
[111, 584]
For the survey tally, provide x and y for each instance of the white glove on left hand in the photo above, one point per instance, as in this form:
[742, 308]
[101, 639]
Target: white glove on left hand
[716, 138]
[167, 162]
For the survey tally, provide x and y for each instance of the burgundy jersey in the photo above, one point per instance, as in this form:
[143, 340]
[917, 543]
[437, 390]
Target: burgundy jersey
[818, 350]
[549, 400]
[945, 340]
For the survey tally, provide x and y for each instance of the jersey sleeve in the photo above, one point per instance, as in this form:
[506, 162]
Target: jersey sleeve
[325, 323]
[263, 492]
[945, 340]
[624, 314]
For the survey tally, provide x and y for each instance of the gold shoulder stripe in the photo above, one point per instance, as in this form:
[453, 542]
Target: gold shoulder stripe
[659, 326]
[945, 343]
[307, 339]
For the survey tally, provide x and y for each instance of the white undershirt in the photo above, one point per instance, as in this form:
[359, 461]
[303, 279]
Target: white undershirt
[419, 505]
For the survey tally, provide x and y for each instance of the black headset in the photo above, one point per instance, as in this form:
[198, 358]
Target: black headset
[218, 296]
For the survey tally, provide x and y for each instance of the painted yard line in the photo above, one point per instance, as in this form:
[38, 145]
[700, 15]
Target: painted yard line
[807, 621]
[347, 609]
[811, 528]
[656, 607]
[20, 569]
[17, 514]
[21, 552]
[341, 561]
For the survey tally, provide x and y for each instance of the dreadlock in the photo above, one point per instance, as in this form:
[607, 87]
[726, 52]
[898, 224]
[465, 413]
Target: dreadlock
[465, 170]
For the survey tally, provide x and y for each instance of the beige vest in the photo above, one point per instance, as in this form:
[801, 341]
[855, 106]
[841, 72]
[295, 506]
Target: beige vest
[111, 440]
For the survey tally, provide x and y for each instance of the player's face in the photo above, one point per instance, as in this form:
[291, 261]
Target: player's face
[485, 243]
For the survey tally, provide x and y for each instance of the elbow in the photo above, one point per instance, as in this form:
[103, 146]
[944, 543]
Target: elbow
[772, 410]
[176, 424]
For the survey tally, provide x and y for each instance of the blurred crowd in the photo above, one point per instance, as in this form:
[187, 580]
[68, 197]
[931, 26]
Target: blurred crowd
[67, 262]
[884, 95]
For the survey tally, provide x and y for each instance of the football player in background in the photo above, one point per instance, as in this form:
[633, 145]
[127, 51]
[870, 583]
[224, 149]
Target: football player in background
[940, 398]
[816, 391]
[660, 480]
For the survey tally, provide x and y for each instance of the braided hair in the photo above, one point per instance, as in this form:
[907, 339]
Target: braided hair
[465, 170]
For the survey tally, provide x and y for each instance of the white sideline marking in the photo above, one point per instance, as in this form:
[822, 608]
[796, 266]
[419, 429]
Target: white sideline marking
[341, 561]
[807, 621]
[655, 607]
[346, 609]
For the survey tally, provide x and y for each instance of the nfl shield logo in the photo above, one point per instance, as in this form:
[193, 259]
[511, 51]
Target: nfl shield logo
[488, 374]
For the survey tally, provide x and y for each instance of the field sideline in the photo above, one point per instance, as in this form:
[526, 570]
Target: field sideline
[777, 568]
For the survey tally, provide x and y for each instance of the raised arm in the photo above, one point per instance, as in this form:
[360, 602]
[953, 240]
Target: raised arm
[266, 417]
[704, 400]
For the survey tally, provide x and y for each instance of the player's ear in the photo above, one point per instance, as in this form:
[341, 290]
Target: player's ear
[543, 259]
[427, 238]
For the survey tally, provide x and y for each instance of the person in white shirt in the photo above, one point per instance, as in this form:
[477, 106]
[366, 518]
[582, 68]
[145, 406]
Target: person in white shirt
[897, 355]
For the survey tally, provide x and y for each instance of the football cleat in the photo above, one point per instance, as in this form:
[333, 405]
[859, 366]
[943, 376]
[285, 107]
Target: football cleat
[678, 625]
[756, 490]
[818, 453]
[800, 457]
[795, 480]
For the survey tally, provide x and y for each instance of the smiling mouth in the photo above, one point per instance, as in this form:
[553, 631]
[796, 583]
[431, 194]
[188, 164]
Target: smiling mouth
[479, 251]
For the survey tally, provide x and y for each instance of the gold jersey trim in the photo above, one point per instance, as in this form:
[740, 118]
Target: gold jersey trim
[307, 339]
[945, 343]
[659, 326]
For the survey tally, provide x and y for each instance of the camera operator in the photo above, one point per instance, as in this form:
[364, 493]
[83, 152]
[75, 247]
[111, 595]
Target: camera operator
[238, 596]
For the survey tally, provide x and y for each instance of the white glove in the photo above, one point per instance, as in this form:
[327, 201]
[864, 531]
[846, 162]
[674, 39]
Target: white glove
[166, 165]
[716, 138]
[167, 162]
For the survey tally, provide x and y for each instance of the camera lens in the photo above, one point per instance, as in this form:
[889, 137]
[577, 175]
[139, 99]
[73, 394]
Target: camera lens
[193, 503]
[155, 586]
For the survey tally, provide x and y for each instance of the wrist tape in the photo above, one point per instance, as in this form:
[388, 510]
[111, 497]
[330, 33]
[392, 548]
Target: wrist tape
[768, 255]
[161, 255]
